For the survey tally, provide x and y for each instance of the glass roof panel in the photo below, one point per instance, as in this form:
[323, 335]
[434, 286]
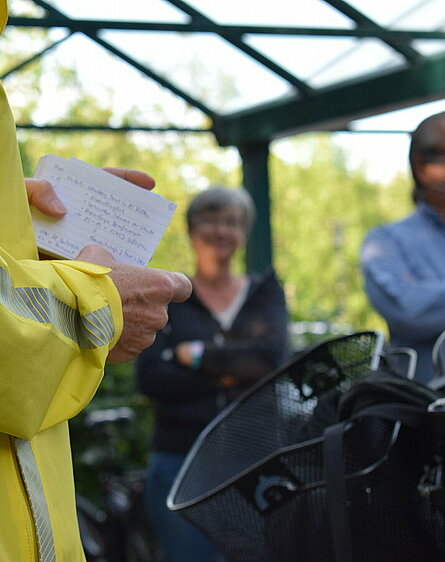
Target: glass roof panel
[408, 14]
[110, 81]
[130, 10]
[326, 60]
[322, 61]
[209, 68]
[430, 47]
[312, 13]
[366, 57]
[427, 15]
[304, 56]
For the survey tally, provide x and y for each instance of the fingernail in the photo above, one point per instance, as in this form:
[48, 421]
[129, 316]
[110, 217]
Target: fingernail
[57, 206]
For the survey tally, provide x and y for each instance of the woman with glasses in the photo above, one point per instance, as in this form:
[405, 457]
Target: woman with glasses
[229, 334]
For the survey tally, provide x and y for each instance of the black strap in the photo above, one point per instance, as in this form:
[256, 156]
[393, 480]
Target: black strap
[334, 469]
[334, 472]
[408, 414]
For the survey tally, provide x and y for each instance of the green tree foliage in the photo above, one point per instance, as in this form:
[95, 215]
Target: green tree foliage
[321, 212]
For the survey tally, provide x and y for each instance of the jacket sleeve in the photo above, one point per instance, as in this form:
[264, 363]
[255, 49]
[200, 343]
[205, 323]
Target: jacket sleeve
[247, 359]
[411, 306]
[160, 376]
[58, 320]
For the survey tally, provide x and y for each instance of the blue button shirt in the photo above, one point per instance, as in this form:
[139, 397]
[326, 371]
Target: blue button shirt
[403, 264]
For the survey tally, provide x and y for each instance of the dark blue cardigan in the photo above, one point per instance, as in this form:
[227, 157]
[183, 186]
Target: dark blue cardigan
[185, 400]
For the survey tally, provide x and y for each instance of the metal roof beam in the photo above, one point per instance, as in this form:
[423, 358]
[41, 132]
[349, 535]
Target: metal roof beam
[77, 127]
[86, 25]
[33, 57]
[333, 108]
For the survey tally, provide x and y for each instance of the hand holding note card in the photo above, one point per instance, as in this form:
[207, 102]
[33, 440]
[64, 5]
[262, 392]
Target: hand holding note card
[102, 209]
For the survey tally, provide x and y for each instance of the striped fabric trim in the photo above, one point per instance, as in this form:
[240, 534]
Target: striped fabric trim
[36, 495]
[36, 303]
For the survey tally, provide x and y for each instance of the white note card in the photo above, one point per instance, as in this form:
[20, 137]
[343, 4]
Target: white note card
[102, 209]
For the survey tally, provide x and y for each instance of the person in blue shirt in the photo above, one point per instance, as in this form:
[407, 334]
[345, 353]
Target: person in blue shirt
[403, 263]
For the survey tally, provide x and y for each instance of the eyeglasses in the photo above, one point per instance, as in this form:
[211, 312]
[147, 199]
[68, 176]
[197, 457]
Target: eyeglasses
[438, 159]
[214, 222]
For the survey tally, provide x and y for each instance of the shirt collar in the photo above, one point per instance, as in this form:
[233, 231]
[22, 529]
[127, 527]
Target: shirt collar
[430, 213]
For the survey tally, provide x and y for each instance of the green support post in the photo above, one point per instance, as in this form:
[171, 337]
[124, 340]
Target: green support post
[256, 180]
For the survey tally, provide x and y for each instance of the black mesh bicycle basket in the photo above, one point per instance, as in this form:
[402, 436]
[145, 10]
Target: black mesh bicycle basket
[254, 480]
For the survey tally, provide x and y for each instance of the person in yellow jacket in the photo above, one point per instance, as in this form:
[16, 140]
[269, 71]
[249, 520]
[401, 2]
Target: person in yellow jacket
[58, 322]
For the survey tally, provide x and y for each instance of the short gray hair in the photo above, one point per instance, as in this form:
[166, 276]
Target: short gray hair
[218, 197]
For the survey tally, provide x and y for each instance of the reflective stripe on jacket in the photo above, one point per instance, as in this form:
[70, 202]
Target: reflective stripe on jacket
[58, 320]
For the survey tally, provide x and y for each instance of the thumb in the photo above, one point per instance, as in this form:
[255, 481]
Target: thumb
[42, 196]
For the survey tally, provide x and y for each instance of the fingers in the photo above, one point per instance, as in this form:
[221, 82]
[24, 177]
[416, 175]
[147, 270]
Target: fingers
[174, 287]
[182, 354]
[42, 196]
[182, 287]
[145, 294]
[134, 176]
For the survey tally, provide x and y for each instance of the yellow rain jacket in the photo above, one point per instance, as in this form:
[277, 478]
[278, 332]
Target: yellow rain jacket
[58, 320]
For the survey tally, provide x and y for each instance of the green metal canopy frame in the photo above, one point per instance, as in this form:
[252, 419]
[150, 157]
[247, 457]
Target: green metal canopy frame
[419, 80]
